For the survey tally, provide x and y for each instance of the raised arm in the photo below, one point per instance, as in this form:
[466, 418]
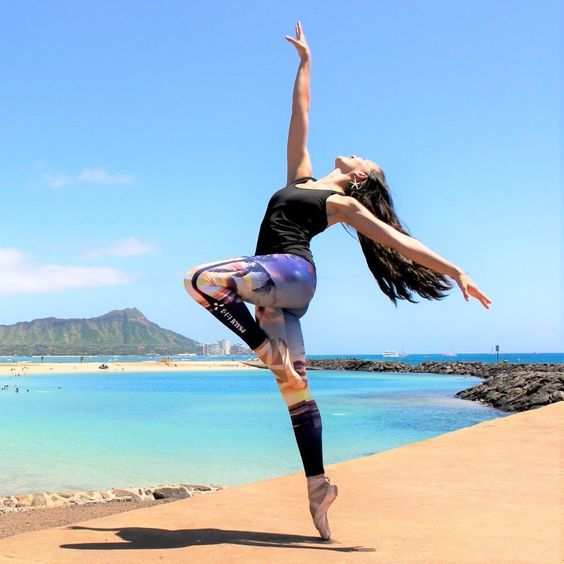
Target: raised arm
[299, 163]
[358, 216]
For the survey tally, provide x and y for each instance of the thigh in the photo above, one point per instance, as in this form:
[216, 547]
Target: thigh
[279, 322]
[295, 339]
[284, 323]
[276, 280]
[271, 320]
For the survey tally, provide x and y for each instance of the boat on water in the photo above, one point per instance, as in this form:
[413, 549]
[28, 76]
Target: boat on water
[392, 354]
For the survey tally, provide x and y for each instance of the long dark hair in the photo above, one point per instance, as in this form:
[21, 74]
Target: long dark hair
[397, 275]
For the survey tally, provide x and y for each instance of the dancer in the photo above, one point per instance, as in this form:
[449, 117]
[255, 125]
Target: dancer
[280, 278]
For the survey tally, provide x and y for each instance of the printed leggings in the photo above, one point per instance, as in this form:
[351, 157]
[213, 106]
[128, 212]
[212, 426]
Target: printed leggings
[280, 286]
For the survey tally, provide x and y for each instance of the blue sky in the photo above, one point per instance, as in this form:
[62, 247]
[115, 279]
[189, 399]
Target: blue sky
[140, 139]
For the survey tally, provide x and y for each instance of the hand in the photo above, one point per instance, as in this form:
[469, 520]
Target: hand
[469, 288]
[300, 43]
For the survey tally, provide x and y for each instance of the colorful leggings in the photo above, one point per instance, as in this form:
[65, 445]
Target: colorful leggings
[280, 286]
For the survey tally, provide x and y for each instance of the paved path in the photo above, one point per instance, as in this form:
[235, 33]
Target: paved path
[492, 493]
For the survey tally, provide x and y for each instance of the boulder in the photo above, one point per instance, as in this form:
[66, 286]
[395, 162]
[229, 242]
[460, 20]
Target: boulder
[171, 492]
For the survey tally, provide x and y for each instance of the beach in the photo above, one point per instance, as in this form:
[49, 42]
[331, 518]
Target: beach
[491, 492]
[37, 368]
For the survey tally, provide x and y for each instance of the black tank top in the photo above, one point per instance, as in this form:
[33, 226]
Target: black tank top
[292, 218]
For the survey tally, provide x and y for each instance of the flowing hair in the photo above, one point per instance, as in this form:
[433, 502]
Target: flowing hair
[397, 275]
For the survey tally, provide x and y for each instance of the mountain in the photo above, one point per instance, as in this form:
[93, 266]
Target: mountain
[121, 331]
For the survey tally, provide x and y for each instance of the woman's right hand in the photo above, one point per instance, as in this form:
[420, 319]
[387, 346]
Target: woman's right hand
[300, 43]
[469, 288]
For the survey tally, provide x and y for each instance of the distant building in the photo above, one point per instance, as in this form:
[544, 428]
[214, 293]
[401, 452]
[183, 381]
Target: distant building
[241, 349]
[222, 347]
[214, 349]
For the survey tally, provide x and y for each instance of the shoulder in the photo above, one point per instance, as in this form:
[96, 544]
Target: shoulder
[338, 206]
[339, 203]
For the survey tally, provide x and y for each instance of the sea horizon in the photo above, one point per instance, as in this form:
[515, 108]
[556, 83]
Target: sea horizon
[411, 358]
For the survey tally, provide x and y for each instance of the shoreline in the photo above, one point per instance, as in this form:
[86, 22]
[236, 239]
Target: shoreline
[46, 368]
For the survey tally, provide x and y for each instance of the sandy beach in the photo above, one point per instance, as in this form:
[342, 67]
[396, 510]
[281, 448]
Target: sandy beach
[36, 368]
[491, 492]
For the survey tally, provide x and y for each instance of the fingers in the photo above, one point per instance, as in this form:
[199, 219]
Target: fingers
[299, 45]
[299, 34]
[483, 299]
[486, 302]
[463, 290]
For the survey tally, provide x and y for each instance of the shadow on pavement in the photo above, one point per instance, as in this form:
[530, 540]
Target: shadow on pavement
[148, 538]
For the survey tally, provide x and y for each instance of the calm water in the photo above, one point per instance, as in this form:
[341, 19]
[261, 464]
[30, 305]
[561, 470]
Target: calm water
[552, 358]
[101, 431]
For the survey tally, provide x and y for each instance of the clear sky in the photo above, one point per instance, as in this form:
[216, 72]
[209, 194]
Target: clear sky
[142, 138]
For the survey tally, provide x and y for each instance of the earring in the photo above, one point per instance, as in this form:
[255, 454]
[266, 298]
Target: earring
[355, 185]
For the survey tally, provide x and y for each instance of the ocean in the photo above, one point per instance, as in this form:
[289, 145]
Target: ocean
[551, 358]
[97, 431]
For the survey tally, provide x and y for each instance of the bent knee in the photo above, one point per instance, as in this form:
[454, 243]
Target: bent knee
[191, 279]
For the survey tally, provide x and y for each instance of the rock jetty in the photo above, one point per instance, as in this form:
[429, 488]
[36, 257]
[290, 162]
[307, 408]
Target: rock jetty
[506, 386]
[25, 502]
[518, 390]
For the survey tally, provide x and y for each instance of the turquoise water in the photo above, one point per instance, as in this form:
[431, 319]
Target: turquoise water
[91, 431]
[551, 358]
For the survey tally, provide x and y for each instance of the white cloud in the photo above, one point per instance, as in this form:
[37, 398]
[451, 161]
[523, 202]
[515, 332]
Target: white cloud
[125, 248]
[87, 176]
[19, 275]
[9, 257]
[57, 180]
[100, 176]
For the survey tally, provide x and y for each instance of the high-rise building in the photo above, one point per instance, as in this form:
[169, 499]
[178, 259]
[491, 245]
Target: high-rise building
[214, 349]
[240, 349]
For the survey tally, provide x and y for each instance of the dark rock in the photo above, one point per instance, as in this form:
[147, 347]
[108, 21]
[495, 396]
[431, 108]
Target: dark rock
[198, 487]
[171, 493]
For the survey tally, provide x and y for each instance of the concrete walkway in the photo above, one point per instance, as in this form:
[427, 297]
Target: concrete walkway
[492, 493]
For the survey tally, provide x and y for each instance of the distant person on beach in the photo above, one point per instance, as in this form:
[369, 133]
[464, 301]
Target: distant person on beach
[280, 278]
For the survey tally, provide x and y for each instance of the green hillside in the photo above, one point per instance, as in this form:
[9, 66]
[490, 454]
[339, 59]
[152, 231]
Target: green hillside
[125, 331]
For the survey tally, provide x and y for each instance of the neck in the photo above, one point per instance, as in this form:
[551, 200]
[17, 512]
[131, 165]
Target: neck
[335, 180]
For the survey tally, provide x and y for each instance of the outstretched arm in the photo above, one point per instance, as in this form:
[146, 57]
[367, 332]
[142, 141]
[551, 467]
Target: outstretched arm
[352, 212]
[299, 163]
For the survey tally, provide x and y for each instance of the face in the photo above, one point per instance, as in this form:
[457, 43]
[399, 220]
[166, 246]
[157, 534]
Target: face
[356, 164]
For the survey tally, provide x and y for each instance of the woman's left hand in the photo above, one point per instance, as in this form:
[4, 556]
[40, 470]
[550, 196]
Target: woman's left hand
[469, 288]
[300, 43]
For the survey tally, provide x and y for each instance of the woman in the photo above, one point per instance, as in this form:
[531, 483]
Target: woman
[280, 278]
